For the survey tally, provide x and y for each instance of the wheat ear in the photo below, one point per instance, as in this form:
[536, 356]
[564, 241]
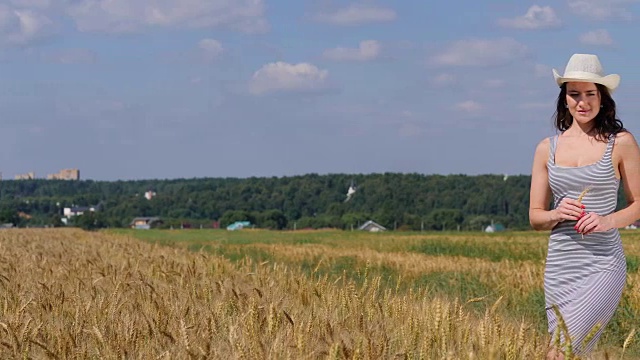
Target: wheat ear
[583, 193]
[627, 341]
[580, 197]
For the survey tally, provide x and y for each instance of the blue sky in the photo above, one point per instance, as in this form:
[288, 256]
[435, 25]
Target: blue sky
[155, 89]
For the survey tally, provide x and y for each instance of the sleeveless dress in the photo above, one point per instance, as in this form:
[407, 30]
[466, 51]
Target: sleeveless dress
[584, 277]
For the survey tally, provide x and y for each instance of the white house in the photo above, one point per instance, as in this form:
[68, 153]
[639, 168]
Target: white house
[494, 228]
[150, 194]
[145, 222]
[372, 226]
[77, 210]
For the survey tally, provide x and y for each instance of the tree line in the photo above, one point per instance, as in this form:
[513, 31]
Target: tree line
[394, 200]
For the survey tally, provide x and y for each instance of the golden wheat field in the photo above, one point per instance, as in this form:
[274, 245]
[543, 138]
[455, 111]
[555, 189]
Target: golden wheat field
[201, 294]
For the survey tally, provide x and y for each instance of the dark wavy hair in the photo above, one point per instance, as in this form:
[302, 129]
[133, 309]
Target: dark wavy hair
[606, 122]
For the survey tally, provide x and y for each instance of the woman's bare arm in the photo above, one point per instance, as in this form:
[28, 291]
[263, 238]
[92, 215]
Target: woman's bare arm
[540, 217]
[627, 153]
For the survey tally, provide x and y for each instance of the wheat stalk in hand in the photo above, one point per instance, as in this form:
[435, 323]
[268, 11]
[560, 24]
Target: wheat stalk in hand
[583, 193]
[580, 197]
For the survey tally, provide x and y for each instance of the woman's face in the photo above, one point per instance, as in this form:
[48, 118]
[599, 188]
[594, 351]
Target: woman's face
[583, 101]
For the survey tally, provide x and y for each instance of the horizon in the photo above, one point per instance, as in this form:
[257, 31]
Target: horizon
[277, 177]
[260, 88]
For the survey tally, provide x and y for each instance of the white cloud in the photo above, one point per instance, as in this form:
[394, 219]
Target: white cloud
[410, 129]
[494, 83]
[537, 17]
[481, 52]
[115, 16]
[444, 79]
[21, 27]
[357, 14]
[211, 48]
[601, 9]
[596, 37]
[405, 122]
[32, 4]
[71, 56]
[368, 50]
[540, 70]
[37, 130]
[285, 77]
[536, 105]
[469, 106]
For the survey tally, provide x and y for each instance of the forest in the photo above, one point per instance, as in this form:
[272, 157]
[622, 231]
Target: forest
[398, 201]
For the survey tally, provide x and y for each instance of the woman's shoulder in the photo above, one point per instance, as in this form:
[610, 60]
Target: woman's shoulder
[544, 144]
[543, 147]
[624, 138]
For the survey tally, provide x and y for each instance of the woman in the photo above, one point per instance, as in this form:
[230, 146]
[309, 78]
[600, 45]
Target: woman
[580, 169]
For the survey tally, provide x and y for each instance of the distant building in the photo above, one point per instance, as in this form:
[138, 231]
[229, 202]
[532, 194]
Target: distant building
[77, 210]
[238, 225]
[372, 226]
[65, 174]
[145, 222]
[69, 212]
[27, 176]
[150, 195]
[494, 227]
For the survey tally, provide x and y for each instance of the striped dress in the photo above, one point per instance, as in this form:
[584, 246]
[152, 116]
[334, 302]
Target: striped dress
[584, 277]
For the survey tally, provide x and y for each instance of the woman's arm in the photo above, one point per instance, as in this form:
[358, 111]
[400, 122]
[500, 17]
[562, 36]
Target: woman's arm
[626, 159]
[628, 154]
[540, 217]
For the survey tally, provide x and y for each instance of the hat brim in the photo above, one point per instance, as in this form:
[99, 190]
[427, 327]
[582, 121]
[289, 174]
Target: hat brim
[610, 81]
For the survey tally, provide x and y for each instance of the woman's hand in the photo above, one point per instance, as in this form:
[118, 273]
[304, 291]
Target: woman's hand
[592, 222]
[569, 209]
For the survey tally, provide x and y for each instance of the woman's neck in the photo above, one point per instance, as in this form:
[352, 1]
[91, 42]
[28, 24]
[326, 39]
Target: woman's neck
[580, 130]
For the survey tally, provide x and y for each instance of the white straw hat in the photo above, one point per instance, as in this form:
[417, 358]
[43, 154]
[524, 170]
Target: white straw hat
[586, 68]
